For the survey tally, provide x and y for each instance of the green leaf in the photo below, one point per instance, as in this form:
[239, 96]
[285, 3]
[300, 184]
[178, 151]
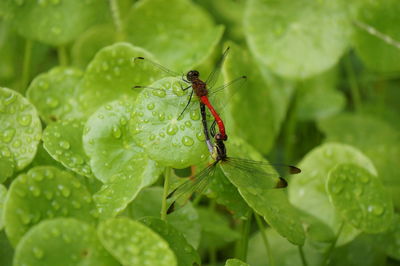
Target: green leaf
[20, 128]
[283, 252]
[53, 93]
[55, 22]
[307, 191]
[42, 193]
[62, 241]
[7, 163]
[90, 42]
[168, 137]
[226, 193]
[235, 262]
[282, 34]
[215, 229]
[111, 74]
[185, 38]
[127, 240]
[381, 144]
[3, 193]
[185, 220]
[318, 97]
[254, 102]
[381, 17]
[185, 253]
[115, 158]
[256, 185]
[43, 158]
[360, 198]
[63, 141]
[390, 240]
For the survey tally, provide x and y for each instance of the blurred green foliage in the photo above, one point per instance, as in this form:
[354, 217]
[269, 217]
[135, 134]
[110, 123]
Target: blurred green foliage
[82, 149]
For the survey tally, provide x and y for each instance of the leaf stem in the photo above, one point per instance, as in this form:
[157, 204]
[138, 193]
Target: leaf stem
[303, 258]
[62, 55]
[244, 241]
[167, 176]
[26, 66]
[290, 128]
[355, 90]
[332, 246]
[117, 20]
[265, 239]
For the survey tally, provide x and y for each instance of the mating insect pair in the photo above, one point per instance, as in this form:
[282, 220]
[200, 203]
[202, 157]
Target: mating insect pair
[202, 90]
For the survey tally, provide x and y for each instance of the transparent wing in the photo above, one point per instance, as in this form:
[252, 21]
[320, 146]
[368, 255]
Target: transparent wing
[169, 72]
[213, 77]
[259, 171]
[183, 193]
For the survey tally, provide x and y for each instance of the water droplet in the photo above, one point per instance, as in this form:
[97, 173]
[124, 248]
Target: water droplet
[376, 209]
[24, 120]
[116, 132]
[55, 30]
[56, 206]
[187, 141]
[76, 204]
[172, 129]
[152, 137]
[337, 188]
[150, 106]
[188, 124]
[364, 179]
[123, 121]
[66, 192]
[8, 135]
[104, 66]
[48, 195]
[64, 144]
[38, 253]
[200, 136]
[328, 152]
[16, 143]
[194, 115]
[161, 116]
[52, 102]
[117, 71]
[26, 218]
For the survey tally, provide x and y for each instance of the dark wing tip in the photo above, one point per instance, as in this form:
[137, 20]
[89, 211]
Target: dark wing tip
[137, 87]
[139, 57]
[294, 170]
[282, 183]
[244, 77]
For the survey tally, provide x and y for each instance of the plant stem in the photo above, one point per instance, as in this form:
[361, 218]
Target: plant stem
[332, 246]
[355, 90]
[213, 256]
[290, 128]
[167, 176]
[303, 258]
[117, 20]
[244, 241]
[265, 239]
[62, 55]
[26, 66]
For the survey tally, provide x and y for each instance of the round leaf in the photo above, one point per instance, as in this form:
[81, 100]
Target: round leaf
[185, 253]
[63, 141]
[185, 38]
[44, 192]
[281, 34]
[307, 191]
[360, 198]
[390, 241]
[167, 136]
[20, 128]
[55, 22]
[53, 93]
[381, 17]
[62, 242]
[7, 163]
[113, 73]
[132, 243]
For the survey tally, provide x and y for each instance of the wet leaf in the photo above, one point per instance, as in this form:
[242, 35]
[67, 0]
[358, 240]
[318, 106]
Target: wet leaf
[62, 241]
[44, 192]
[53, 94]
[235, 262]
[168, 137]
[63, 141]
[172, 41]
[127, 240]
[281, 34]
[3, 193]
[185, 253]
[360, 198]
[20, 128]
